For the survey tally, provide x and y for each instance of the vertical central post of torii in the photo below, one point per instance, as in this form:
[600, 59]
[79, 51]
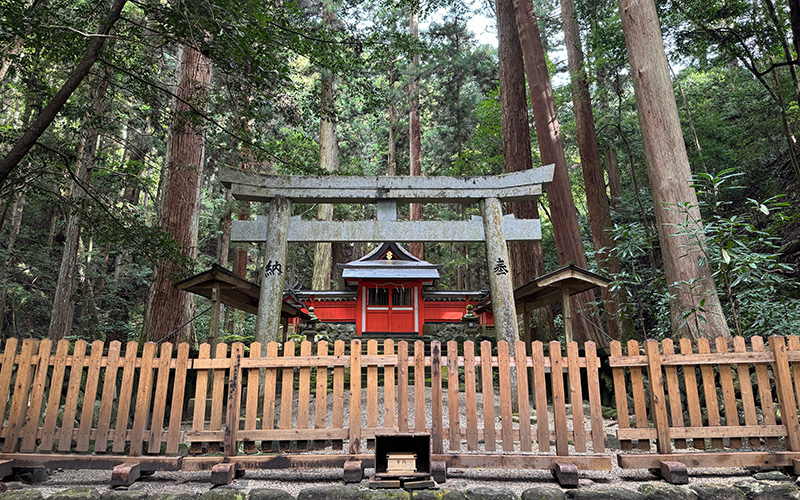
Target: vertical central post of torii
[272, 280]
[500, 284]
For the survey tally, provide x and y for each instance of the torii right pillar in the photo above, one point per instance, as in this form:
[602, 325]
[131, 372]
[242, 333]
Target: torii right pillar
[500, 284]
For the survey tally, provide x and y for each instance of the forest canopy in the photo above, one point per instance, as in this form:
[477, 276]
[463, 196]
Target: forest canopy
[116, 194]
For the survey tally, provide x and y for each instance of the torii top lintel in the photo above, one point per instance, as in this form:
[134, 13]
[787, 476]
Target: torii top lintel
[515, 186]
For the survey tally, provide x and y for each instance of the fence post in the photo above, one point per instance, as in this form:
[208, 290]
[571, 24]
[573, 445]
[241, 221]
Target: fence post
[657, 400]
[234, 400]
[786, 400]
[355, 397]
[436, 398]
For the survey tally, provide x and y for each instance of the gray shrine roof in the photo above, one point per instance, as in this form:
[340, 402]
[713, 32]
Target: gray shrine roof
[390, 261]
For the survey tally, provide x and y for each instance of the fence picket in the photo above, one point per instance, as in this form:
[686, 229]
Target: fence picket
[437, 437]
[504, 371]
[576, 397]
[692, 396]
[21, 394]
[389, 401]
[559, 403]
[372, 386]
[540, 386]
[523, 397]
[270, 381]
[710, 391]
[73, 392]
[337, 419]
[637, 386]
[251, 402]
[470, 398]
[764, 390]
[107, 399]
[30, 431]
[125, 397]
[419, 387]
[673, 391]
[6, 370]
[160, 398]
[453, 414]
[355, 397]
[621, 396]
[595, 401]
[304, 394]
[200, 396]
[217, 397]
[321, 392]
[728, 391]
[402, 386]
[178, 392]
[89, 396]
[487, 389]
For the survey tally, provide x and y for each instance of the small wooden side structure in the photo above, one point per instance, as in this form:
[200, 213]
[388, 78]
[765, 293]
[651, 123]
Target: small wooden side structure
[560, 284]
[221, 286]
[700, 400]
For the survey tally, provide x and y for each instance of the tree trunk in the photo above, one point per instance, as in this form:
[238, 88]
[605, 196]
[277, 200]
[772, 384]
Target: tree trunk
[49, 113]
[329, 161]
[391, 159]
[16, 223]
[526, 257]
[593, 179]
[614, 180]
[63, 305]
[794, 20]
[691, 286]
[551, 148]
[170, 311]
[414, 138]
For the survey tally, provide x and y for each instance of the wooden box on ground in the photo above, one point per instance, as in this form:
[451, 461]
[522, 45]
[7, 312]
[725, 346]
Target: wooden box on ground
[402, 454]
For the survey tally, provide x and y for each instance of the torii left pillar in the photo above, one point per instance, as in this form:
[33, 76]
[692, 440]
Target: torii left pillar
[270, 301]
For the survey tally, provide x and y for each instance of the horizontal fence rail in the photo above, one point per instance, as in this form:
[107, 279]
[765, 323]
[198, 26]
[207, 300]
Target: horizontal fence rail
[299, 404]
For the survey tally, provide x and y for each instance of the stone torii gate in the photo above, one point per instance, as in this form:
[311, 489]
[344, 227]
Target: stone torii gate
[279, 227]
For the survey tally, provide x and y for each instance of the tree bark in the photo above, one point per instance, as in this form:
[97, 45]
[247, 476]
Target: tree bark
[614, 179]
[16, 223]
[170, 311]
[63, 305]
[329, 161]
[224, 241]
[794, 20]
[49, 113]
[690, 285]
[593, 179]
[551, 149]
[414, 134]
[391, 158]
[526, 257]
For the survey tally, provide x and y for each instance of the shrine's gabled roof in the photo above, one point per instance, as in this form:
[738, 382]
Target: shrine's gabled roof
[390, 261]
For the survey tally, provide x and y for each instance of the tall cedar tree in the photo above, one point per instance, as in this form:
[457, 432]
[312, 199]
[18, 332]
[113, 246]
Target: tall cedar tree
[414, 139]
[563, 214]
[527, 260]
[169, 309]
[695, 310]
[63, 305]
[593, 180]
[328, 161]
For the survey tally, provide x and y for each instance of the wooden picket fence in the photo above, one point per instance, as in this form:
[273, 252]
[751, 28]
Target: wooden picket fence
[702, 400]
[164, 409]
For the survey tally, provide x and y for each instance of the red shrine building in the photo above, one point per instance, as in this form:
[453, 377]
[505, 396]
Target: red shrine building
[389, 291]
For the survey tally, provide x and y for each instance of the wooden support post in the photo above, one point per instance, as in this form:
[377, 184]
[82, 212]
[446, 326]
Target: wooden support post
[353, 471]
[658, 402]
[224, 473]
[216, 310]
[125, 474]
[566, 314]
[439, 471]
[272, 275]
[673, 472]
[565, 473]
[786, 400]
[231, 444]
